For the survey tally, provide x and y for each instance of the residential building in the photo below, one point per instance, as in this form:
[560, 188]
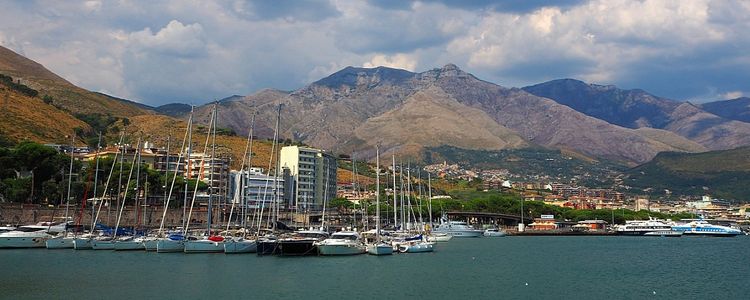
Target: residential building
[311, 176]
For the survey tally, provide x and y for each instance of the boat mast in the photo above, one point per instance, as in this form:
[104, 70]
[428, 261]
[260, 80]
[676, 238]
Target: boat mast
[429, 195]
[137, 161]
[70, 178]
[130, 175]
[174, 177]
[395, 208]
[188, 167]
[377, 194]
[197, 180]
[106, 186]
[166, 168]
[401, 178]
[211, 171]
[96, 181]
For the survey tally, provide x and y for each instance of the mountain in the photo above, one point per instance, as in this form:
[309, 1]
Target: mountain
[639, 109]
[61, 93]
[734, 109]
[356, 108]
[173, 109]
[724, 174]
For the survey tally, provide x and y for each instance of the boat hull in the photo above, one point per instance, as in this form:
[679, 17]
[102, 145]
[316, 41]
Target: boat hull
[82, 244]
[297, 247]
[380, 249]
[150, 244]
[204, 246]
[169, 246]
[22, 242]
[439, 238]
[267, 247]
[243, 246]
[463, 233]
[60, 243]
[102, 245]
[341, 249]
[416, 247]
[128, 245]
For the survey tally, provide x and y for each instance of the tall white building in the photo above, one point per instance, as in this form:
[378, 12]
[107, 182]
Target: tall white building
[310, 176]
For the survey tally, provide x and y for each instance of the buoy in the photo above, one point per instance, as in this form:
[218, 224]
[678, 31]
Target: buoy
[527, 283]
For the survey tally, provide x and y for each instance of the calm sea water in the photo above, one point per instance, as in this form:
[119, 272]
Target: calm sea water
[484, 268]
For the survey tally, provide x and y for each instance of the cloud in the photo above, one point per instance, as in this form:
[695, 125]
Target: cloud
[399, 61]
[732, 95]
[196, 51]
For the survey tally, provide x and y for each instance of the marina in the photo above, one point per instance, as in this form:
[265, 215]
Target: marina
[483, 268]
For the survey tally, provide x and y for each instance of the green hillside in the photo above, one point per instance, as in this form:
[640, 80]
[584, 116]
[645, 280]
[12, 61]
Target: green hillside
[723, 174]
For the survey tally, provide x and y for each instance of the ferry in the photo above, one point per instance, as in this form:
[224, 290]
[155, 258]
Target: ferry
[701, 227]
[641, 227]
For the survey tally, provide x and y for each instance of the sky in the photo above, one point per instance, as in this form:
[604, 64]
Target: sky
[158, 52]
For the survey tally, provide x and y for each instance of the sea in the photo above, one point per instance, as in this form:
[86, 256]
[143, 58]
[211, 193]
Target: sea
[513, 267]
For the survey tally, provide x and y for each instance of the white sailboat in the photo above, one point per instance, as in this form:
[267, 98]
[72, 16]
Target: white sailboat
[342, 243]
[127, 242]
[132, 242]
[242, 244]
[63, 241]
[378, 247]
[208, 243]
[175, 241]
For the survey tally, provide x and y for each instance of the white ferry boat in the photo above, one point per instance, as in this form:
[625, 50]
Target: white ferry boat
[701, 227]
[641, 227]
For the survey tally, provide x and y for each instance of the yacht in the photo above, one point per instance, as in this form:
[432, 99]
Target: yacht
[103, 243]
[416, 247]
[211, 244]
[129, 243]
[300, 243]
[150, 243]
[439, 237]
[457, 229]
[494, 232]
[701, 227]
[24, 237]
[173, 243]
[640, 227]
[62, 241]
[240, 245]
[342, 243]
[83, 242]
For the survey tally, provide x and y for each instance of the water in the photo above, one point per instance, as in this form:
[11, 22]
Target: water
[484, 268]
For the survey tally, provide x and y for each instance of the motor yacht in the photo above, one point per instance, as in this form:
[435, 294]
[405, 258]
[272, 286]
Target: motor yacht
[24, 237]
[457, 229]
[342, 243]
[494, 232]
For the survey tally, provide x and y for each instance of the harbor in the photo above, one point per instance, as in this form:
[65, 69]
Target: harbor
[511, 267]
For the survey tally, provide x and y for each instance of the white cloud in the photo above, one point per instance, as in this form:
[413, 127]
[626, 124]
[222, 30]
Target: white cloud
[732, 95]
[399, 61]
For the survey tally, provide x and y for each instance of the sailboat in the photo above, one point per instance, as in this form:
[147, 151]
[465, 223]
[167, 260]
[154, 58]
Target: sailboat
[127, 242]
[133, 242]
[420, 244]
[208, 243]
[378, 247]
[63, 241]
[242, 244]
[175, 241]
[105, 242]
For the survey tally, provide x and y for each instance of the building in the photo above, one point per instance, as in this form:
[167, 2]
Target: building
[310, 176]
[258, 188]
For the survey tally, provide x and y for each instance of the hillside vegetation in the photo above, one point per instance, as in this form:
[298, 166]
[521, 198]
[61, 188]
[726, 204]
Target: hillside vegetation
[724, 174]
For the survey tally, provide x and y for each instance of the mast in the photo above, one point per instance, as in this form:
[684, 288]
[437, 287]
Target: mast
[200, 172]
[395, 210]
[211, 171]
[122, 203]
[401, 177]
[106, 186]
[377, 193]
[174, 176]
[166, 167]
[429, 195]
[96, 181]
[70, 178]
[137, 161]
[188, 167]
